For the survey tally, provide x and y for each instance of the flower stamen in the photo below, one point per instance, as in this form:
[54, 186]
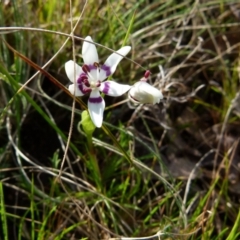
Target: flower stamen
[97, 65]
[85, 68]
[94, 84]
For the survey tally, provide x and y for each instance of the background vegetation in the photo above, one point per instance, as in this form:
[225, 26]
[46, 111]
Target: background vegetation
[167, 171]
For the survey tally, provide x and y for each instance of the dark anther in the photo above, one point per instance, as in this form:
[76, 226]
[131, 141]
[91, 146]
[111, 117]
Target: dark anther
[147, 74]
[86, 82]
[85, 68]
[87, 90]
[97, 65]
[98, 84]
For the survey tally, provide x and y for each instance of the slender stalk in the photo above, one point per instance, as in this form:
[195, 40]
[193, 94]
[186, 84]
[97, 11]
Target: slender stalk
[94, 162]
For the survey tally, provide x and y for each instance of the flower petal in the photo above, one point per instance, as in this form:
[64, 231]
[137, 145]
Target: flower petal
[77, 92]
[96, 106]
[113, 89]
[89, 52]
[69, 68]
[109, 67]
[143, 92]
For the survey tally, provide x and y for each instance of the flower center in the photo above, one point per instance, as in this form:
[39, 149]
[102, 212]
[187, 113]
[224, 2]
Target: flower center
[94, 84]
[89, 79]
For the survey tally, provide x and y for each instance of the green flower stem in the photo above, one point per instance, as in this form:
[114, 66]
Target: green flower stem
[88, 127]
[94, 163]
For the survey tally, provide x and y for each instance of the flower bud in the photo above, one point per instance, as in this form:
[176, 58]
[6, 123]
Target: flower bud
[142, 92]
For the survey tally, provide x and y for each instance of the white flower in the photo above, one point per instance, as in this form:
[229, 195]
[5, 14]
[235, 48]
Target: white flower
[89, 78]
[142, 92]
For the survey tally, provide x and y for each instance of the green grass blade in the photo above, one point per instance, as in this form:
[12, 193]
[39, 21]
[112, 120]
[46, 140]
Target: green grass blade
[32, 210]
[129, 29]
[42, 231]
[234, 234]
[3, 214]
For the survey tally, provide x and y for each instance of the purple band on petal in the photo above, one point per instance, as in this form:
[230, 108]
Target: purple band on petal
[106, 87]
[107, 69]
[83, 84]
[92, 67]
[82, 77]
[95, 100]
[84, 89]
